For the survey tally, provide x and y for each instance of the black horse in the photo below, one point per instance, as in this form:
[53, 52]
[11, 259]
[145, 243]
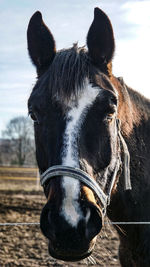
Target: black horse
[87, 122]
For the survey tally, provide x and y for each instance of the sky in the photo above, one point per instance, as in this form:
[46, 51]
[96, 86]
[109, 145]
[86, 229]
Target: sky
[69, 21]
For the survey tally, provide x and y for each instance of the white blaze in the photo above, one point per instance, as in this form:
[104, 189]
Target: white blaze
[70, 207]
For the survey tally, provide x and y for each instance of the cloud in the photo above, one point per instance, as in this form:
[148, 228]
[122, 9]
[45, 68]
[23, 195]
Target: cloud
[132, 53]
[137, 12]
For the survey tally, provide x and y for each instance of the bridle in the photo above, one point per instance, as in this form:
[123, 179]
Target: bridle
[83, 177]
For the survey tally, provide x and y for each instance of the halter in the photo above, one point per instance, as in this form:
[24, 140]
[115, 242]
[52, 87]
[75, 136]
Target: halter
[71, 172]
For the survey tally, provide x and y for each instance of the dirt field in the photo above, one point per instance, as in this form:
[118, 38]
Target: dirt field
[24, 246]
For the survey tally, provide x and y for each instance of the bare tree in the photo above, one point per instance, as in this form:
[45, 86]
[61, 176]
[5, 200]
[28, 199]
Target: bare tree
[20, 132]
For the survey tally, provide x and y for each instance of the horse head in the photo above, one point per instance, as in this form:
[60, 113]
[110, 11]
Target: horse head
[74, 106]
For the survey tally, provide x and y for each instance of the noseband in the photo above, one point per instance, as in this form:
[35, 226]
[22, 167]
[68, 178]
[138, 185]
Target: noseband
[104, 198]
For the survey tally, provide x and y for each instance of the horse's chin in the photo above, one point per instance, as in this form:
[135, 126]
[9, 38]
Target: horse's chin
[68, 255]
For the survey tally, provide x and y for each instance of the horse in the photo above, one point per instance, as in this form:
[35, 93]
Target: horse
[92, 145]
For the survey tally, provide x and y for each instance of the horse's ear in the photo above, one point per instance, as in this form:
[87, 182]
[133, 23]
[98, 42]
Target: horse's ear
[100, 39]
[41, 44]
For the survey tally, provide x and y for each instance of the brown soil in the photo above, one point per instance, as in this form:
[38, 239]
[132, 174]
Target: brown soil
[25, 246]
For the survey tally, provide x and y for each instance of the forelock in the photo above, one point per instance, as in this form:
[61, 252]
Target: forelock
[68, 73]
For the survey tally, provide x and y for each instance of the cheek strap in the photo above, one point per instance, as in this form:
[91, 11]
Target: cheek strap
[126, 163]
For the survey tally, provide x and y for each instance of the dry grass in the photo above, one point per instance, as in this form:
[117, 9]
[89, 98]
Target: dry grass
[16, 169]
[19, 178]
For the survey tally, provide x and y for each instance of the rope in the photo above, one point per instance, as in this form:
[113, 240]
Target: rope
[36, 223]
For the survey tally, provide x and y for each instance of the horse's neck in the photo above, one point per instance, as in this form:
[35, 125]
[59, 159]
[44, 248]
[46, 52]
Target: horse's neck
[134, 109]
[134, 113]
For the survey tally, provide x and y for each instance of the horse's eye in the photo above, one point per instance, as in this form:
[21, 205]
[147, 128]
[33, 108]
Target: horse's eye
[33, 116]
[109, 117]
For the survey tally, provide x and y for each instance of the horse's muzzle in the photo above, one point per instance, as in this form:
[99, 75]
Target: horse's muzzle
[67, 242]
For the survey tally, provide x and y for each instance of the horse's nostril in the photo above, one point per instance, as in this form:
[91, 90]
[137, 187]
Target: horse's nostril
[45, 222]
[93, 222]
